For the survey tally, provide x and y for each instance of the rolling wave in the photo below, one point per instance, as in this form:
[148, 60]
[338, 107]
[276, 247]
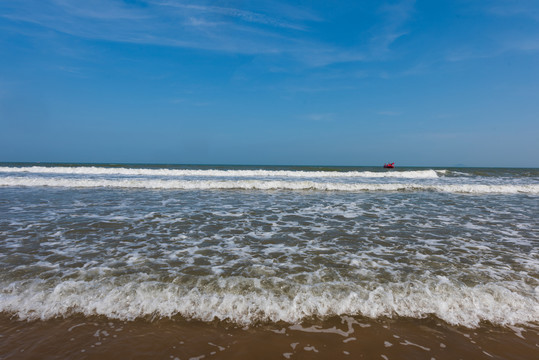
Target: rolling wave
[532, 189]
[455, 303]
[86, 170]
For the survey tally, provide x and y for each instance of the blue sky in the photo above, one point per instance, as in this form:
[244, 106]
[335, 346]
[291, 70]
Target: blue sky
[426, 83]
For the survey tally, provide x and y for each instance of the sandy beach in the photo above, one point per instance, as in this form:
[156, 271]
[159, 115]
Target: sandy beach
[337, 338]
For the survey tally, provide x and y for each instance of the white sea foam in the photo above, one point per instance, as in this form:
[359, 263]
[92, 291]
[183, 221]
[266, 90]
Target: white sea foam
[455, 303]
[532, 189]
[93, 170]
[252, 255]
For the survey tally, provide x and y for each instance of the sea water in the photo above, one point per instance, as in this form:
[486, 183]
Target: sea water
[265, 246]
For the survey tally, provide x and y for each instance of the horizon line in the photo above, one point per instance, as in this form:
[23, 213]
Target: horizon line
[251, 165]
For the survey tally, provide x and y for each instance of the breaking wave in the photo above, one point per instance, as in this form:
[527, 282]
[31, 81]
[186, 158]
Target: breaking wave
[532, 189]
[92, 170]
[454, 303]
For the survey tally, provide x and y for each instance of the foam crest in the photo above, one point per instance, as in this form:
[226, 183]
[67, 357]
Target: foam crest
[531, 189]
[93, 170]
[248, 304]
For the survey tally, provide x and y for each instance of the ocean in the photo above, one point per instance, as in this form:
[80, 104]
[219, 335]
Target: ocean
[239, 262]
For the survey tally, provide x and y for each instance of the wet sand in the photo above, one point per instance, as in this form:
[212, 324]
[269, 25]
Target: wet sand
[81, 337]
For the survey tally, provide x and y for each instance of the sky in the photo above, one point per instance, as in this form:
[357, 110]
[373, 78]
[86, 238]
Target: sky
[418, 83]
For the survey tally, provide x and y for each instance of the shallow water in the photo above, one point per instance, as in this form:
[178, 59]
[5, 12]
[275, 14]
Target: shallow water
[271, 248]
[334, 338]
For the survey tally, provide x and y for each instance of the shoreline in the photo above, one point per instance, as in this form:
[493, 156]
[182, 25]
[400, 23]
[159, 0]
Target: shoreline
[337, 337]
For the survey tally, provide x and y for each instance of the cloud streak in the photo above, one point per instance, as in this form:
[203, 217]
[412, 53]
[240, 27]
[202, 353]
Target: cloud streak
[282, 30]
[243, 15]
[515, 8]
[393, 25]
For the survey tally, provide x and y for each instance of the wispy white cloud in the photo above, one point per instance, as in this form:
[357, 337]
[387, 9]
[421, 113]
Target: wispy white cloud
[506, 43]
[516, 30]
[293, 89]
[93, 9]
[468, 53]
[281, 30]
[76, 71]
[444, 116]
[393, 25]
[320, 117]
[389, 113]
[244, 15]
[518, 8]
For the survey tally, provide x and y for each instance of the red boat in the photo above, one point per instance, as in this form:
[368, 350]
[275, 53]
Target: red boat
[389, 165]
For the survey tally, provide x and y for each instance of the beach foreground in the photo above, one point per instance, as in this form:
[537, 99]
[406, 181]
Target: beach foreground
[339, 337]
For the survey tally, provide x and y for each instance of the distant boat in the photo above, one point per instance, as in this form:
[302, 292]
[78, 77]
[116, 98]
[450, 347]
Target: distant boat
[389, 165]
